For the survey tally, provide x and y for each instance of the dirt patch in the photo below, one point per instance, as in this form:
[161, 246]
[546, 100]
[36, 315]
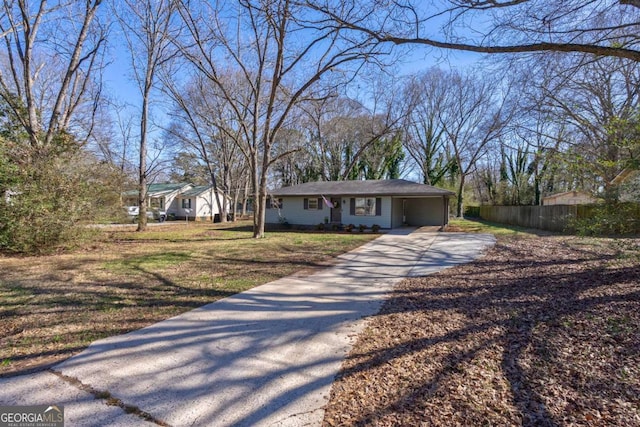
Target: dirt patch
[454, 229]
[541, 331]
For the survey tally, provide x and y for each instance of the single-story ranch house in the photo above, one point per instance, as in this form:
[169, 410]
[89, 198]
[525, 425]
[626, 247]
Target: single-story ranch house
[179, 200]
[388, 203]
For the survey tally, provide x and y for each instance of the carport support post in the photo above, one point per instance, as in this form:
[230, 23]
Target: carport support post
[404, 212]
[445, 212]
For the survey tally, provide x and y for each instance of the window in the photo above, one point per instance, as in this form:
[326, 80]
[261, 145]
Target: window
[312, 204]
[366, 206]
[186, 203]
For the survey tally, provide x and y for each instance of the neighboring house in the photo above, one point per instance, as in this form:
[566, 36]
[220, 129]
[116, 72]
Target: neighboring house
[387, 203]
[179, 200]
[159, 196]
[569, 198]
[198, 203]
[628, 184]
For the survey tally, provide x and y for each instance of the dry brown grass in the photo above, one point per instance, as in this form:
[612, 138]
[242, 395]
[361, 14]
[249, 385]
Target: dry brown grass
[542, 331]
[52, 307]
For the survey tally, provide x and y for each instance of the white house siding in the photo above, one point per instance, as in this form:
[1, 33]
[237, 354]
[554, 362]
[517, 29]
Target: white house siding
[179, 211]
[172, 204]
[201, 207]
[294, 212]
[424, 211]
[204, 208]
[271, 216]
[384, 220]
[168, 202]
[397, 213]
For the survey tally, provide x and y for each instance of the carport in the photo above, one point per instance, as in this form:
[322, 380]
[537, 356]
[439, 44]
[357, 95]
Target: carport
[419, 211]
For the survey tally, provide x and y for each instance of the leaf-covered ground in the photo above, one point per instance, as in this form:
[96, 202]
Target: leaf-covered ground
[541, 331]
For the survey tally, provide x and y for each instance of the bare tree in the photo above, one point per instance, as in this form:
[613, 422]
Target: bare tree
[112, 137]
[333, 127]
[386, 111]
[280, 49]
[52, 52]
[125, 129]
[604, 28]
[545, 141]
[201, 125]
[473, 114]
[425, 135]
[299, 166]
[573, 111]
[149, 27]
[591, 98]
[352, 138]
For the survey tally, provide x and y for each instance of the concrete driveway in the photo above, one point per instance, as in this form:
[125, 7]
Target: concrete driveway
[264, 357]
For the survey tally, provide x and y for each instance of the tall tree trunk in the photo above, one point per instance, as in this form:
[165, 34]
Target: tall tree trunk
[142, 183]
[260, 214]
[245, 197]
[234, 208]
[459, 202]
[222, 211]
[256, 193]
[144, 117]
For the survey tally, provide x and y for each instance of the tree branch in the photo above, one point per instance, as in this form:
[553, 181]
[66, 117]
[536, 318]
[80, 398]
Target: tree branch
[382, 36]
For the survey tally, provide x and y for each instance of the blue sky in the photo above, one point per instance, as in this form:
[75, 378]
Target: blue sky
[120, 85]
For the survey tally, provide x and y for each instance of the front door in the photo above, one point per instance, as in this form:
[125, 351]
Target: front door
[336, 211]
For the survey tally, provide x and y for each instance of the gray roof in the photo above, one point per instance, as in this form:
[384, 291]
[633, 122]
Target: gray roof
[383, 187]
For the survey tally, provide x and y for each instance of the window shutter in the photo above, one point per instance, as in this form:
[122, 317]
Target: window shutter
[320, 203]
[352, 206]
[378, 206]
[306, 204]
[269, 205]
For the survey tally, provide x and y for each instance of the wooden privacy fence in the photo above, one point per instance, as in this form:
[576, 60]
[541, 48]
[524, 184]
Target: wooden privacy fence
[552, 218]
[563, 217]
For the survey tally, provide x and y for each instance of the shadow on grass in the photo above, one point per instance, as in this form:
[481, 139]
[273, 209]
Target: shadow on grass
[89, 313]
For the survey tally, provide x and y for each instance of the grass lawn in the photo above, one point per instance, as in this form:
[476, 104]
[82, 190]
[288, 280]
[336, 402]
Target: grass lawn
[544, 330]
[54, 306]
